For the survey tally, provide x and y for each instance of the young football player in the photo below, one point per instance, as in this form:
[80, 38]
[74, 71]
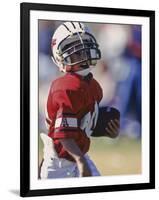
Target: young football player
[73, 105]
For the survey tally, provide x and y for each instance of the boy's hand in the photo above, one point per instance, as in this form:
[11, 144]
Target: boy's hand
[84, 170]
[113, 128]
[72, 148]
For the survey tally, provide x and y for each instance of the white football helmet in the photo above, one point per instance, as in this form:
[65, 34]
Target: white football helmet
[73, 44]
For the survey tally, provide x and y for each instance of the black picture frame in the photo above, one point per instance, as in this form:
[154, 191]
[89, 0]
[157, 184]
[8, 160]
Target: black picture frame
[25, 9]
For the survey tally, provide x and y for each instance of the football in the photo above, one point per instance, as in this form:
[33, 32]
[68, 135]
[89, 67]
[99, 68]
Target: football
[106, 114]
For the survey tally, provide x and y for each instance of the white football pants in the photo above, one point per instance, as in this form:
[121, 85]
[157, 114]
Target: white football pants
[54, 167]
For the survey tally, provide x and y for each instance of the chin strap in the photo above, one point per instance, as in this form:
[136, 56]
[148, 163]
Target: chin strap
[88, 77]
[84, 72]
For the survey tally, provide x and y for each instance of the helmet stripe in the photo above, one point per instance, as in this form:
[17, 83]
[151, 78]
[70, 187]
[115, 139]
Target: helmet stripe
[73, 25]
[66, 27]
[80, 25]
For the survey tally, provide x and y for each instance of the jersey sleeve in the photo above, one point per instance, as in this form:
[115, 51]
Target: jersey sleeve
[69, 104]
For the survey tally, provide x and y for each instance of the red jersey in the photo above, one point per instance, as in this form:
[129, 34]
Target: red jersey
[72, 109]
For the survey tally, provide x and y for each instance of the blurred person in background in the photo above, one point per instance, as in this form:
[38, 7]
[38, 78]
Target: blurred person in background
[121, 64]
[47, 72]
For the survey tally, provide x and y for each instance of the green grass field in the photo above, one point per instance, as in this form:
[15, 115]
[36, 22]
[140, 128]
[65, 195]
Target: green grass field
[113, 156]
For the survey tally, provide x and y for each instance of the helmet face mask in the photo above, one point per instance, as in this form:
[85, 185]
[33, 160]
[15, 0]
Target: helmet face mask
[78, 48]
[81, 52]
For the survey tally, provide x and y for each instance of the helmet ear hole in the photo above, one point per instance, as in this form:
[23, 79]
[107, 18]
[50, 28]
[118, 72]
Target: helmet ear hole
[58, 59]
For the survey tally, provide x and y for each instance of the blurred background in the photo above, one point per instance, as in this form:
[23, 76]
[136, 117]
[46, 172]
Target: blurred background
[119, 74]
